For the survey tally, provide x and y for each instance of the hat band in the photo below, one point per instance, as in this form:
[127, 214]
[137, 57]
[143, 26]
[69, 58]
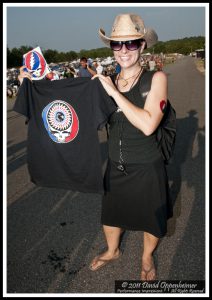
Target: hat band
[126, 36]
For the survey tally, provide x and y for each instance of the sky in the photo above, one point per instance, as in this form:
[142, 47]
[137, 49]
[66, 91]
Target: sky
[72, 28]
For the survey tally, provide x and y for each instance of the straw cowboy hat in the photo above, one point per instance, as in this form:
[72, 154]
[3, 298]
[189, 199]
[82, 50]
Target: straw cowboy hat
[129, 27]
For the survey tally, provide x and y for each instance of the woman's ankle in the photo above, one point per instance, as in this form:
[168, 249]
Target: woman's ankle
[147, 256]
[113, 252]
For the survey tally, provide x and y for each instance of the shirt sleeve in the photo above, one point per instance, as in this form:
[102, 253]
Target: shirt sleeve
[103, 104]
[22, 100]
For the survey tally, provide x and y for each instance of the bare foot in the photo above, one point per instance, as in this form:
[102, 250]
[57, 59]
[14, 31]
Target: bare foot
[103, 259]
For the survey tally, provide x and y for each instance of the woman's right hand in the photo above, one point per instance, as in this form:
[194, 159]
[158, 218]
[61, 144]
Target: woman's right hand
[107, 84]
[23, 74]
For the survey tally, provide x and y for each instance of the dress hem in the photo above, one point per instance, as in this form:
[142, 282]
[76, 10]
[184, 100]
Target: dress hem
[136, 229]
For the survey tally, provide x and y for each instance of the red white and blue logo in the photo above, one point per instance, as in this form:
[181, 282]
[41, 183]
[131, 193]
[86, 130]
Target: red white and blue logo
[35, 64]
[60, 121]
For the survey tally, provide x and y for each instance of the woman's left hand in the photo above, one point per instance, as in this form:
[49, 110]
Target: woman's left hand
[107, 84]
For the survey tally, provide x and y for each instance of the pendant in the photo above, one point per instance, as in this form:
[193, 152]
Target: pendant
[124, 82]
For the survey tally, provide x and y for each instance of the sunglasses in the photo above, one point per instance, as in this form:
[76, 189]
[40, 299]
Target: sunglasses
[130, 45]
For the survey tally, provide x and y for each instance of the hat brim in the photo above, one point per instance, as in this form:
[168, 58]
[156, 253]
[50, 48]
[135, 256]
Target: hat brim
[150, 37]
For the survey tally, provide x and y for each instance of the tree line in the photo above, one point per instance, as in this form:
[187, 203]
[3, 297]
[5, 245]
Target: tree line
[183, 46]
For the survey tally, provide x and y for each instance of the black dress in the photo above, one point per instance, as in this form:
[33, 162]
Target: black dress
[139, 200]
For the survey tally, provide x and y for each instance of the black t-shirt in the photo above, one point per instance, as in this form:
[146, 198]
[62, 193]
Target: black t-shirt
[63, 119]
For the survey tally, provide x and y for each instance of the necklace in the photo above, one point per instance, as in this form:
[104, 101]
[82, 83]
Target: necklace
[125, 81]
[137, 75]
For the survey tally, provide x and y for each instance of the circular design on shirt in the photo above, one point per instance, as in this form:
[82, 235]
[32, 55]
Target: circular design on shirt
[61, 121]
[59, 116]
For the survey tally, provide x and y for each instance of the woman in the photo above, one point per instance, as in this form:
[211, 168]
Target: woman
[136, 182]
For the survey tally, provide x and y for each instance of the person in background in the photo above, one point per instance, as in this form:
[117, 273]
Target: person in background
[152, 64]
[159, 65]
[86, 69]
[98, 67]
[69, 72]
[52, 76]
[136, 185]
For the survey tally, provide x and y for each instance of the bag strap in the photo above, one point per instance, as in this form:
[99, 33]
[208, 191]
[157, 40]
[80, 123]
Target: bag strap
[145, 86]
[145, 82]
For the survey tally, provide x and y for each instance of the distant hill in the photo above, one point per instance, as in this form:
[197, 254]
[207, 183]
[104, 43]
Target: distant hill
[183, 46]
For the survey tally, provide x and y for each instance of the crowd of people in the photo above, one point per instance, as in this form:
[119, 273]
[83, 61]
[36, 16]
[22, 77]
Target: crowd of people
[150, 62]
[153, 62]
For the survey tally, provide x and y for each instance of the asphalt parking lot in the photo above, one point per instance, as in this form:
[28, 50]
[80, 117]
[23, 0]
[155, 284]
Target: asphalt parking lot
[53, 234]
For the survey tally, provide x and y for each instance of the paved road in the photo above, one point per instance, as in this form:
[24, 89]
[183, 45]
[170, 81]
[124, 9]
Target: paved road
[53, 234]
